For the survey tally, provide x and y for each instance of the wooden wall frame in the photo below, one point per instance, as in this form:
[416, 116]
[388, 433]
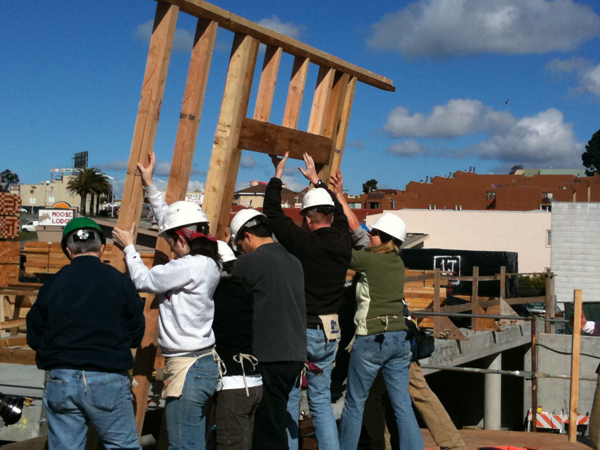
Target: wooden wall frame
[324, 139]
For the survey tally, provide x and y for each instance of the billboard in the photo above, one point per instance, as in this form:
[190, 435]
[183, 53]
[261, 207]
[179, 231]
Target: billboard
[55, 217]
[81, 160]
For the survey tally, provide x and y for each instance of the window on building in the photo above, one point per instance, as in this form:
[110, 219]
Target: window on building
[355, 205]
[548, 238]
[375, 205]
[547, 195]
[490, 195]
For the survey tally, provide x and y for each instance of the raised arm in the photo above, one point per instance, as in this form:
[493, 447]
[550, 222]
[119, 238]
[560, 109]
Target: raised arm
[159, 206]
[338, 187]
[284, 228]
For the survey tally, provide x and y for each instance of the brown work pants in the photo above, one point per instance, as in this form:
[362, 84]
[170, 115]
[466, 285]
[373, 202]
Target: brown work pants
[426, 402]
[434, 414]
[594, 426]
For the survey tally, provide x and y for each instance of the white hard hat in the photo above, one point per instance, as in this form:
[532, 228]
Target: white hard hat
[391, 224]
[181, 214]
[316, 197]
[242, 218]
[225, 252]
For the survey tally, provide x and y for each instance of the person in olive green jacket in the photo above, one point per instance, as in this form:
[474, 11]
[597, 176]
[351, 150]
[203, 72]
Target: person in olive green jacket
[380, 342]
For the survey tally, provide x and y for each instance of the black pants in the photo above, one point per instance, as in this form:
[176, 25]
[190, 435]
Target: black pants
[235, 414]
[269, 426]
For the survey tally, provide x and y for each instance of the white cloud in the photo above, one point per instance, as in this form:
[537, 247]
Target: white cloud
[247, 162]
[358, 143]
[114, 165]
[288, 28]
[456, 118]
[293, 184]
[162, 168]
[196, 186]
[586, 73]
[441, 28]
[543, 139]
[407, 149]
[182, 42]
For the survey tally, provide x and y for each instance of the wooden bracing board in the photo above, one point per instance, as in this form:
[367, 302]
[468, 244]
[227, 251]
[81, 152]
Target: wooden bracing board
[236, 131]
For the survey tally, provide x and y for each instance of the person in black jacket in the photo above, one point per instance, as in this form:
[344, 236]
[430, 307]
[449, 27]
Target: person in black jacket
[324, 248]
[277, 282]
[85, 322]
[240, 391]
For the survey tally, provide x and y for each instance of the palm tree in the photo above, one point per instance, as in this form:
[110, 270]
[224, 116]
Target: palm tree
[88, 182]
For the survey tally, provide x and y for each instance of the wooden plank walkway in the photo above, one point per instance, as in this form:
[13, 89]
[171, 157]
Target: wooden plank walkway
[488, 440]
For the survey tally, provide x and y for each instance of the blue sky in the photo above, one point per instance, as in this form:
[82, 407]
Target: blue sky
[71, 80]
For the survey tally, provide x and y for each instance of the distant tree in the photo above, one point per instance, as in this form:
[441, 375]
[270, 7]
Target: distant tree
[591, 156]
[513, 169]
[7, 178]
[369, 186]
[88, 182]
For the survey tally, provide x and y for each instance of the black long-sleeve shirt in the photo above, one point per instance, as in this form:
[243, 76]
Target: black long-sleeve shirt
[279, 316]
[325, 253]
[232, 324]
[87, 317]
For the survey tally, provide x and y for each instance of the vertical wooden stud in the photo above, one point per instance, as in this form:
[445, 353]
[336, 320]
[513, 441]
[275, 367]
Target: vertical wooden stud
[295, 92]
[320, 106]
[550, 302]
[437, 323]
[191, 110]
[475, 297]
[503, 282]
[220, 182]
[268, 79]
[179, 178]
[336, 162]
[333, 120]
[144, 134]
[575, 355]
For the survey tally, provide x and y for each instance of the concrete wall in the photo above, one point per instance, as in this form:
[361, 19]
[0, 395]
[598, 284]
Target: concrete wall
[523, 232]
[575, 250]
[554, 356]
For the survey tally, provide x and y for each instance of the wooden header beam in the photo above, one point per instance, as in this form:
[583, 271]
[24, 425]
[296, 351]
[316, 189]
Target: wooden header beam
[237, 24]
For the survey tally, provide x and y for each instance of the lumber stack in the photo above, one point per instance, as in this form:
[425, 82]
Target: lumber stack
[10, 213]
[419, 295]
[9, 262]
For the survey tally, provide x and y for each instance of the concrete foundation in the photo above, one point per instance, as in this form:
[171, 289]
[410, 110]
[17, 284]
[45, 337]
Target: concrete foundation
[554, 356]
[492, 405]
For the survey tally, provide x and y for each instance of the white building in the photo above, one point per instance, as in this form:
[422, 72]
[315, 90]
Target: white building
[524, 232]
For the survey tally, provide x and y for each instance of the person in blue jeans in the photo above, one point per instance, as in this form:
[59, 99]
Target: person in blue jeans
[380, 340]
[324, 248]
[85, 322]
[184, 288]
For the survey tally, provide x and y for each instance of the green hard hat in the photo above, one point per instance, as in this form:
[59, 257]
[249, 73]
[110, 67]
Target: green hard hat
[79, 224]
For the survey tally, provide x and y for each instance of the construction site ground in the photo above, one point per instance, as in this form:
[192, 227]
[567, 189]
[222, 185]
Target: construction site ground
[488, 440]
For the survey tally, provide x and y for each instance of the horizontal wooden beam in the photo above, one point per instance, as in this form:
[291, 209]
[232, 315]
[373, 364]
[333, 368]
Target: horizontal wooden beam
[17, 356]
[237, 24]
[13, 341]
[10, 324]
[274, 139]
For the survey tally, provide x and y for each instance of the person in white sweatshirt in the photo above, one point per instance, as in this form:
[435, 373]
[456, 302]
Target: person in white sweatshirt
[184, 288]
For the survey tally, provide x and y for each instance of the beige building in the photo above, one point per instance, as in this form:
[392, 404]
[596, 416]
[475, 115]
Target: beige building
[524, 232]
[48, 193]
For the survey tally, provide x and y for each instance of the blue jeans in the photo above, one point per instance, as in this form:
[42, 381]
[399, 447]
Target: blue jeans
[73, 398]
[392, 356]
[322, 353]
[186, 415]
